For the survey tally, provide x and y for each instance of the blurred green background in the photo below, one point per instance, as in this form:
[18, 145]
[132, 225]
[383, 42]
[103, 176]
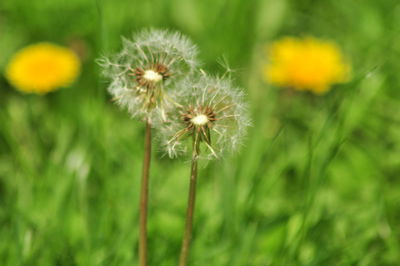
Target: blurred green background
[316, 183]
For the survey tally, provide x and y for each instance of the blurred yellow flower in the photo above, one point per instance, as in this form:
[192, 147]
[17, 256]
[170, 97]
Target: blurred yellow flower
[305, 64]
[42, 67]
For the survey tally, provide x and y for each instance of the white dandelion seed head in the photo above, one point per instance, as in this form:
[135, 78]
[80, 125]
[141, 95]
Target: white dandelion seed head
[213, 108]
[147, 68]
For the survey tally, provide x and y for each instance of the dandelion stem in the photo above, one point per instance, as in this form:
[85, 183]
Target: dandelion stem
[144, 191]
[191, 204]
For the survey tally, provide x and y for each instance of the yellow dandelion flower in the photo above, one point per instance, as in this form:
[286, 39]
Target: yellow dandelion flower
[42, 67]
[306, 64]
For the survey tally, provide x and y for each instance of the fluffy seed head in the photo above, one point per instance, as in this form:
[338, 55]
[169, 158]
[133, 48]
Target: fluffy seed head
[211, 112]
[147, 67]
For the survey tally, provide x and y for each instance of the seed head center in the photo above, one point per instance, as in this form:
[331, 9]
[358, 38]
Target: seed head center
[153, 76]
[200, 120]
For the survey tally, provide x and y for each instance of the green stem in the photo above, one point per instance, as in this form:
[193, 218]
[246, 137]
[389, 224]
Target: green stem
[144, 191]
[191, 204]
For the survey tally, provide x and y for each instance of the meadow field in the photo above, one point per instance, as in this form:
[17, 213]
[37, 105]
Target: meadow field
[316, 181]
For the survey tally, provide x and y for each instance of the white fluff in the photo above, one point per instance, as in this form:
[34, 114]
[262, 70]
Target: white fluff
[171, 49]
[226, 100]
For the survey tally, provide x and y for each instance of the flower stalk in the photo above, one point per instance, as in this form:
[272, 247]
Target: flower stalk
[144, 191]
[191, 203]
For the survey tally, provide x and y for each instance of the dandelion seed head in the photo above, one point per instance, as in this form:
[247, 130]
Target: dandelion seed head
[147, 68]
[210, 108]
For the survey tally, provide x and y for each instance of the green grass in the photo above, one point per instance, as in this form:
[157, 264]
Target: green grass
[317, 182]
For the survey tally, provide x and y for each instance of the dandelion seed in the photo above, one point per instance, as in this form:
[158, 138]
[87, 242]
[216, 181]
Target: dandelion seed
[211, 112]
[42, 67]
[306, 64]
[147, 68]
